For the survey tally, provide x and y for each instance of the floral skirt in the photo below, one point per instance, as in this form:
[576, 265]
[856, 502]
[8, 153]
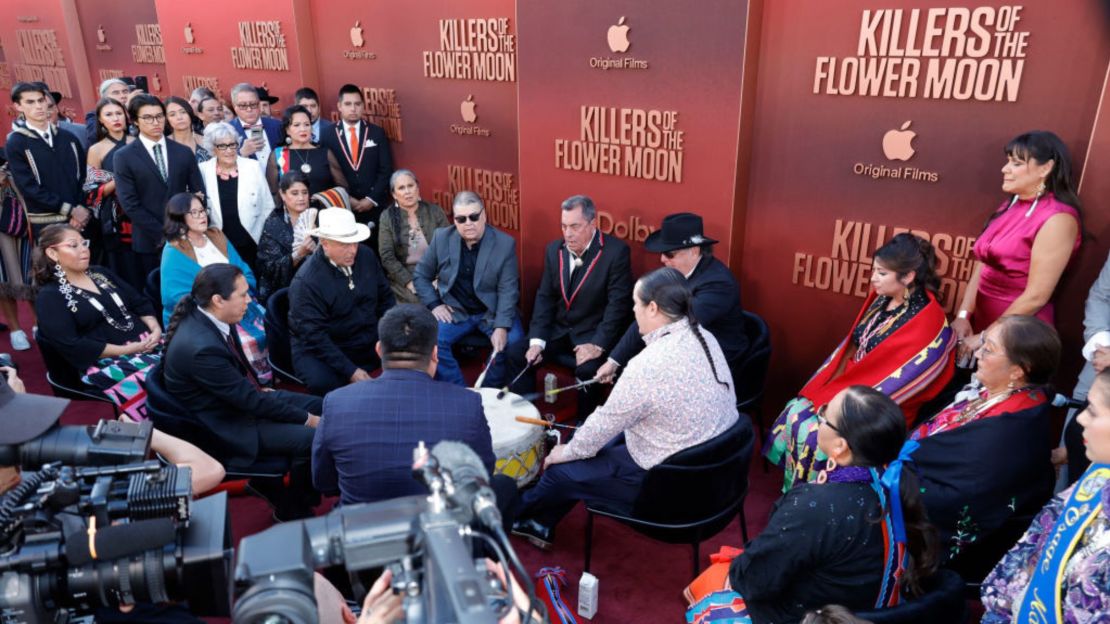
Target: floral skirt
[792, 443]
[123, 380]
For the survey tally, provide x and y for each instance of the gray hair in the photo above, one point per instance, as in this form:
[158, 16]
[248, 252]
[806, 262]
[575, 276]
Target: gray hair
[242, 87]
[467, 198]
[589, 210]
[107, 84]
[219, 132]
[399, 173]
[200, 93]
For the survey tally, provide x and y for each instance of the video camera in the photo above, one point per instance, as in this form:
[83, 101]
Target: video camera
[425, 541]
[113, 530]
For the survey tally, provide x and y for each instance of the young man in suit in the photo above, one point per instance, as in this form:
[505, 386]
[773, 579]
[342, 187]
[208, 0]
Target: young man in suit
[261, 133]
[148, 172]
[363, 447]
[307, 97]
[206, 369]
[362, 150]
[477, 287]
[583, 305]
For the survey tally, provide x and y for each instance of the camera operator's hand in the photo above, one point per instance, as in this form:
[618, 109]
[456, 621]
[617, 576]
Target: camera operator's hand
[382, 606]
[519, 596]
[14, 382]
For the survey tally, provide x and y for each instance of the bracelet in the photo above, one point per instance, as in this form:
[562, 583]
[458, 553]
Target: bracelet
[962, 314]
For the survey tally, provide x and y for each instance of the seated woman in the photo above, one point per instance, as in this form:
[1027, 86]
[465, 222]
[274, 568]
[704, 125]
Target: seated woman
[858, 536]
[677, 393]
[285, 242]
[98, 323]
[1060, 569]
[406, 228]
[900, 343]
[192, 245]
[985, 458]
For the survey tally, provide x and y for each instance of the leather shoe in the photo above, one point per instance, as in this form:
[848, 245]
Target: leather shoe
[540, 536]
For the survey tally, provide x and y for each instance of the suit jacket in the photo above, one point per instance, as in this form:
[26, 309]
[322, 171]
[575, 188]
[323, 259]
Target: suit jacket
[202, 373]
[496, 276]
[364, 442]
[142, 193]
[76, 130]
[255, 202]
[375, 165]
[593, 305]
[716, 308]
[320, 128]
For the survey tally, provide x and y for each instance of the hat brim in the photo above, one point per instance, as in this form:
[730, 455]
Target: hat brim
[271, 99]
[28, 416]
[655, 243]
[361, 233]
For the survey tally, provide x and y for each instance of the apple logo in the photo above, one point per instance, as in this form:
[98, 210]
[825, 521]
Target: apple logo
[189, 33]
[356, 35]
[101, 36]
[467, 109]
[618, 37]
[896, 143]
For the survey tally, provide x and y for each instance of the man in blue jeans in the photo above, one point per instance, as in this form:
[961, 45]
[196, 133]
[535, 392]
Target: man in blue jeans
[469, 279]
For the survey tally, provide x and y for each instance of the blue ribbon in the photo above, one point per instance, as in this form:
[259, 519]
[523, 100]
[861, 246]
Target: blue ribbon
[891, 482]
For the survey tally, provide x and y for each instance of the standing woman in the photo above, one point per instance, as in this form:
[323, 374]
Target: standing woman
[407, 226]
[181, 124]
[285, 241]
[100, 184]
[300, 154]
[1028, 241]
[236, 191]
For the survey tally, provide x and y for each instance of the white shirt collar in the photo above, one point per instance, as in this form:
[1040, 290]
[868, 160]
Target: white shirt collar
[347, 126]
[149, 145]
[224, 328]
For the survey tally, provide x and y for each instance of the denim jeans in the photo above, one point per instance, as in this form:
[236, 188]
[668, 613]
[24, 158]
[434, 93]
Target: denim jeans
[450, 333]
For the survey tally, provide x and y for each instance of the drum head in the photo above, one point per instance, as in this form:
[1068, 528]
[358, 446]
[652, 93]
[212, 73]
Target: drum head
[501, 415]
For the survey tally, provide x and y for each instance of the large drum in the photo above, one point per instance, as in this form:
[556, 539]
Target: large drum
[519, 448]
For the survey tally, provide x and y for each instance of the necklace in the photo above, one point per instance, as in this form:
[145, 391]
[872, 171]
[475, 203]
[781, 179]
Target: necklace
[67, 289]
[233, 172]
[872, 329]
[305, 167]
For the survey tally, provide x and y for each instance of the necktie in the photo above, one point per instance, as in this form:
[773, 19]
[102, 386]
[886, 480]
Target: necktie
[244, 367]
[160, 161]
[353, 141]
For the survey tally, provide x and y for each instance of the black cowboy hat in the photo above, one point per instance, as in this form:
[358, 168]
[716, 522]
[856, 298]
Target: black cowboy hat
[263, 94]
[24, 417]
[679, 231]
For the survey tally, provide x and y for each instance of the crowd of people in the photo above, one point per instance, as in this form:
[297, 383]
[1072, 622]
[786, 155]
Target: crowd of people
[156, 236]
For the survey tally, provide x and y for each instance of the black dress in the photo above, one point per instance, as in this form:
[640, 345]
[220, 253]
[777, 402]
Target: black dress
[319, 177]
[232, 227]
[275, 255]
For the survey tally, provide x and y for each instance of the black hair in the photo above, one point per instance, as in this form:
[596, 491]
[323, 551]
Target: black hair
[200, 104]
[875, 429]
[42, 267]
[214, 279]
[306, 93]
[287, 119]
[141, 100]
[177, 207]
[408, 333]
[101, 131]
[669, 290]
[1032, 345]
[194, 121]
[349, 88]
[293, 177]
[28, 87]
[1043, 146]
[908, 252]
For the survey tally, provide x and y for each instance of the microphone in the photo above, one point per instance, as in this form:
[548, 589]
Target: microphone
[119, 540]
[1061, 400]
[471, 482]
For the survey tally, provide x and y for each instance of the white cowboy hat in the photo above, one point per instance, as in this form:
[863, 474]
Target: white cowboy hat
[338, 224]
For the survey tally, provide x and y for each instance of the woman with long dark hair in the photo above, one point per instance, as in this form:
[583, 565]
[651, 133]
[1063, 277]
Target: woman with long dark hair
[676, 394]
[859, 536]
[181, 125]
[900, 343]
[285, 241]
[1027, 242]
[100, 186]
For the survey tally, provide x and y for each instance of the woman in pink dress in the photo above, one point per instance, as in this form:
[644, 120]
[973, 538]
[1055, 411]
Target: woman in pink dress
[1028, 241]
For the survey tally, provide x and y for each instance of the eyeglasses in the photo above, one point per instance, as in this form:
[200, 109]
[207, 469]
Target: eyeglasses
[198, 213]
[461, 219]
[247, 105]
[225, 146]
[159, 118]
[823, 420]
[74, 245]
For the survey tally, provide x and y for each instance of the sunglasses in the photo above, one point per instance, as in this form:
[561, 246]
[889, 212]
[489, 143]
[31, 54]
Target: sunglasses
[461, 219]
[822, 420]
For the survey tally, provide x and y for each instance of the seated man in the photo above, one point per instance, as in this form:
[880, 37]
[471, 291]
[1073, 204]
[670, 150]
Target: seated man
[682, 245]
[206, 370]
[335, 301]
[469, 280]
[364, 445]
[583, 303]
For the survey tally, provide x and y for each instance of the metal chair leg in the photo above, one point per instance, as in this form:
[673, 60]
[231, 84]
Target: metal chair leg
[589, 541]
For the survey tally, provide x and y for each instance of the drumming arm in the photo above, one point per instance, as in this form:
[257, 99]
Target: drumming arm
[627, 405]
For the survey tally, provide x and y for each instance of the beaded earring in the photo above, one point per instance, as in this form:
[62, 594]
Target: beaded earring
[65, 288]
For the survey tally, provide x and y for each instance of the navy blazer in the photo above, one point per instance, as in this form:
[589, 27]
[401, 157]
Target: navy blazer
[375, 165]
[496, 276]
[272, 128]
[716, 308]
[142, 193]
[364, 442]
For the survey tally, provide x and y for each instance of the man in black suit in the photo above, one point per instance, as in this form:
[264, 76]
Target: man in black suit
[206, 369]
[583, 304]
[261, 133]
[683, 246]
[148, 172]
[362, 150]
[307, 97]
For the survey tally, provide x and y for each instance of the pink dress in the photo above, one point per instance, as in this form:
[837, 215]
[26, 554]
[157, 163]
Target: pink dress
[1005, 248]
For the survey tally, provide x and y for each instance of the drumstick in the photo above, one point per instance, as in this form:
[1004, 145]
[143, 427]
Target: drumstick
[482, 377]
[542, 423]
[532, 396]
[505, 390]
